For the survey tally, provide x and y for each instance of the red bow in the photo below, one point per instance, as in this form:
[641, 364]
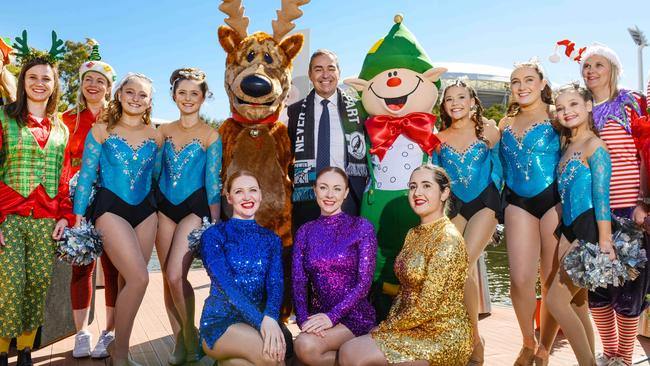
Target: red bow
[418, 126]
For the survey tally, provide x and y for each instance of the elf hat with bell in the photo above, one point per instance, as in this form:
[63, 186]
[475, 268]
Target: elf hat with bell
[5, 47]
[399, 49]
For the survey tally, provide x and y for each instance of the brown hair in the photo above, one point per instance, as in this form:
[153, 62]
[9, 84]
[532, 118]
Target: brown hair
[18, 109]
[240, 173]
[477, 113]
[441, 178]
[189, 73]
[333, 169]
[113, 112]
[547, 94]
[565, 133]
[321, 52]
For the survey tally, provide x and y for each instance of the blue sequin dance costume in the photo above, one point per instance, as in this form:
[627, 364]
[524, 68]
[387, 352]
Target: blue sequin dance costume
[476, 176]
[125, 178]
[190, 179]
[529, 164]
[584, 191]
[244, 263]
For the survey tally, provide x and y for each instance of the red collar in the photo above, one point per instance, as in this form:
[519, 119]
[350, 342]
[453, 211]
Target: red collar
[33, 122]
[268, 120]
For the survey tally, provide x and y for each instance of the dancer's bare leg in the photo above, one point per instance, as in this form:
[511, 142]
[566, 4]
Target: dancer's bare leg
[129, 251]
[179, 261]
[315, 350]
[241, 344]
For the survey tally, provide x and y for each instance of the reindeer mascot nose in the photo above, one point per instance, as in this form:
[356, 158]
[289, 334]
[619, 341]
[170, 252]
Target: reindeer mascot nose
[256, 85]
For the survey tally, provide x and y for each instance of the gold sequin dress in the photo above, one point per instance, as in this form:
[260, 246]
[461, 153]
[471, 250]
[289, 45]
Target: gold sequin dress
[428, 320]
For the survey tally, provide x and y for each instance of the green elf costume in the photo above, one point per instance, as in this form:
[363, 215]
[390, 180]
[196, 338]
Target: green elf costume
[34, 169]
[401, 135]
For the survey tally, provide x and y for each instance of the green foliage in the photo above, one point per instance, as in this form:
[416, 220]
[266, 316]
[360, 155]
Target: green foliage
[69, 73]
[495, 112]
[213, 122]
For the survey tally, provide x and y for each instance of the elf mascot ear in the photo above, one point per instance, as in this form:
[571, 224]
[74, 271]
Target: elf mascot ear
[357, 84]
[434, 74]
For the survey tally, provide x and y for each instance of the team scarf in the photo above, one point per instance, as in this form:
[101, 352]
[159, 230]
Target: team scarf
[352, 118]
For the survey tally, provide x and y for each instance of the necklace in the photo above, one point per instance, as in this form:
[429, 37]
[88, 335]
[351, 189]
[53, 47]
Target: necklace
[189, 128]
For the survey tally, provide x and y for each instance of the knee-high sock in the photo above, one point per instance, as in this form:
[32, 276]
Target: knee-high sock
[627, 331]
[605, 320]
[4, 344]
[26, 340]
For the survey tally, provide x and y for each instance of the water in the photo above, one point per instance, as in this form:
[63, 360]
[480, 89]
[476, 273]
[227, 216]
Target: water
[496, 261]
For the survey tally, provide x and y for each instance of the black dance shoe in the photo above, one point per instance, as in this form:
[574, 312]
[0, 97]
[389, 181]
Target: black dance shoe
[25, 358]
[4, 359]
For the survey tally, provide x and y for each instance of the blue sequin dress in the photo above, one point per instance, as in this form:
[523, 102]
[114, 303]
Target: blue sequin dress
[530, 167]
[244, 263]
[584, 193]
[476, 175]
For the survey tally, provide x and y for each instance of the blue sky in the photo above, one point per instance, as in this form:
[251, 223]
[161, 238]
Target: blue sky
[156, 37]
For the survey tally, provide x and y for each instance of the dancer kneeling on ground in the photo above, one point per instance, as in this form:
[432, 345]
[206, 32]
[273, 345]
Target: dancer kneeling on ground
[239, 322]
[427, 324]
[333, 265]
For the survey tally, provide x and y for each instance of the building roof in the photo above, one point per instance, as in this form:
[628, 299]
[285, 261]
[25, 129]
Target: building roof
[474, 71]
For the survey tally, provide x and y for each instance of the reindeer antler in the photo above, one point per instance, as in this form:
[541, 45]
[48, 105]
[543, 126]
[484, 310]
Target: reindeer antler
[58, 48]
[236, 19]
[22, 49]
[289, 11]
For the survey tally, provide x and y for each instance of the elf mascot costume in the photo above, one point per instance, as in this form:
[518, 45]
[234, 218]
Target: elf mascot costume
[399, 88]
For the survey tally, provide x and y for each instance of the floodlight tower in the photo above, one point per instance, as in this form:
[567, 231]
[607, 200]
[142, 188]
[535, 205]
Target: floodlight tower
[640, 41]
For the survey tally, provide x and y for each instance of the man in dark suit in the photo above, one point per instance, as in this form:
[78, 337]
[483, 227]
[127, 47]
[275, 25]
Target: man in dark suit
[326, 129]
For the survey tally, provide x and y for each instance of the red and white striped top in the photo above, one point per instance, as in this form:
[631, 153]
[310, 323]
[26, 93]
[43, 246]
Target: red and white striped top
[624, 186]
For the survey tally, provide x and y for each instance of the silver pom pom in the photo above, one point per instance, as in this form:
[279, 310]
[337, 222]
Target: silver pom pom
[194, 238]
[589, 268]
[80, 245]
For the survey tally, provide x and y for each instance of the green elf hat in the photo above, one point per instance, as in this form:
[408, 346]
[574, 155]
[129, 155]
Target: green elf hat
[398, 49]
[5, 47]
[95, 63]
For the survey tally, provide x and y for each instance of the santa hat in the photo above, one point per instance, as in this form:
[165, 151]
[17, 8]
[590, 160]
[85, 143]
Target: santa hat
[608, 53]
[94, 63]
[570, 51]
[6, 49]
[399, 49]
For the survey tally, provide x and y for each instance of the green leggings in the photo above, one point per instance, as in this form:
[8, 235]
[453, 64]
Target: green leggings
[25, 269]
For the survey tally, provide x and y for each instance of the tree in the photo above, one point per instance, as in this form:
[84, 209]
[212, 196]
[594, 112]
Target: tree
[495, 112]
[77, 53]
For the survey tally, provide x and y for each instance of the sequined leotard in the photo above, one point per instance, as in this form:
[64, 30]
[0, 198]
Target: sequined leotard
[530, 161]
[584, 187]
[428, 320]
[243, 261]
[190, 178]
[125, 177]
[333, 265]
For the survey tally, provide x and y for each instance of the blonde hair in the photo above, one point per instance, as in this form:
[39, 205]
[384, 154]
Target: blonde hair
[113, 112]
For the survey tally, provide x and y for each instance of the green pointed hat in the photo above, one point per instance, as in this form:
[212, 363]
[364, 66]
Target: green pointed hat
[398, 49]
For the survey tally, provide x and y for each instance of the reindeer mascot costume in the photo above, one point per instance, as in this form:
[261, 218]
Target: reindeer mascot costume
[257, 80]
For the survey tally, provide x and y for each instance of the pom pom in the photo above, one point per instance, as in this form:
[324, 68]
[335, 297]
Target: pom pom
[589, 268]
[80, 246]
[497, 236]
[555, 57]
[194, 238]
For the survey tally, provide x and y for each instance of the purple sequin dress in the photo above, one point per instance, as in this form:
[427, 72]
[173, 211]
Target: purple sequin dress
[333, 265]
